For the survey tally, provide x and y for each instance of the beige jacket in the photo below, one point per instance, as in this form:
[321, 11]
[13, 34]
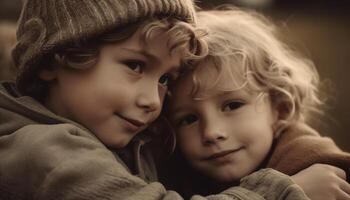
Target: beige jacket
[302, 146]
[46, 157]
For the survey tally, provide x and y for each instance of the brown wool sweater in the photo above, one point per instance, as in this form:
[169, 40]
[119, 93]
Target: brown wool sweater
[301, 146]
[46, 157]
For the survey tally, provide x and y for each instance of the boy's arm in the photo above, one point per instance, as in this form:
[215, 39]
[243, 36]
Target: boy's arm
[64, 162]
[272, 184]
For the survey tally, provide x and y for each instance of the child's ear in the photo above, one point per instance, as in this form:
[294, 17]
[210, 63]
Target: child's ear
[48, 74]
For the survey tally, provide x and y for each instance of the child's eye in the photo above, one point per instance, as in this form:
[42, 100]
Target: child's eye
[136, 66]
[165, 79]
[233, 105]
[187, 120]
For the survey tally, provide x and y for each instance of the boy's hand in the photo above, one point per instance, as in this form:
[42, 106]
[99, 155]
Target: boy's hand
[323, 182]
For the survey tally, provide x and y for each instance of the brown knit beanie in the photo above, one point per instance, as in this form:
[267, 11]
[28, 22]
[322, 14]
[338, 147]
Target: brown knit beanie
[46, 25]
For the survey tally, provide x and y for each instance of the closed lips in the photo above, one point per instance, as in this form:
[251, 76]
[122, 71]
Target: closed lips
[132, 121]
[222, 153]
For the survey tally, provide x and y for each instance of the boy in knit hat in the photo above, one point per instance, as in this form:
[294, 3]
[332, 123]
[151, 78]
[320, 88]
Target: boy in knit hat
[92, 78]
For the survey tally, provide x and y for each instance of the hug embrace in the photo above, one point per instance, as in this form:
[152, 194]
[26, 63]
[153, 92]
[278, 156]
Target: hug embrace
[97, 79]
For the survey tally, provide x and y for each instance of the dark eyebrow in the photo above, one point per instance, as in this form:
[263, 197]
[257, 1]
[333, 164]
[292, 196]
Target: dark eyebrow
[147, 55]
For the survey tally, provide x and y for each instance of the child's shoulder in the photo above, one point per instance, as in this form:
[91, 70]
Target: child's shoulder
[52, 143]
[23, 110]
[64, 134]
[44, 155]
[302, 146]
[28, 123]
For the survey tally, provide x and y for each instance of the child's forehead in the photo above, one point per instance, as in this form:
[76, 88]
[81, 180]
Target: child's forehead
[189, 91]
[210, 79]
[225, 75]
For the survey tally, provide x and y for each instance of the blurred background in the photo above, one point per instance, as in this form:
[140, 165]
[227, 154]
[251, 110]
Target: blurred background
[320, 29]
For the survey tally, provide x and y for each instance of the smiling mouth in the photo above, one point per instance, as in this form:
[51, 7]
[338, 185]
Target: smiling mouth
[222, 154]
[134, 122]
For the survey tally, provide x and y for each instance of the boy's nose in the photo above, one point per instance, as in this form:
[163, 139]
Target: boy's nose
[149, 100]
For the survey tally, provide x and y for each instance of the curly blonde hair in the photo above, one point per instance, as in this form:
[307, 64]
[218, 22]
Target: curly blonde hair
[244, 46]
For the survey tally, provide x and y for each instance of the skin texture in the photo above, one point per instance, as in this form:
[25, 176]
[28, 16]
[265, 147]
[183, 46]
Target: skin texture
[119, 96]
[237, 124]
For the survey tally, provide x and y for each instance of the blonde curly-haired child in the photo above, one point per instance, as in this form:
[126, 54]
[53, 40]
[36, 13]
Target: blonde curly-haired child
[246, 106]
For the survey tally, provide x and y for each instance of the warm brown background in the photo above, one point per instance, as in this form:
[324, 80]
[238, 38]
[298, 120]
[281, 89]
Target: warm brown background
[318, 28]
